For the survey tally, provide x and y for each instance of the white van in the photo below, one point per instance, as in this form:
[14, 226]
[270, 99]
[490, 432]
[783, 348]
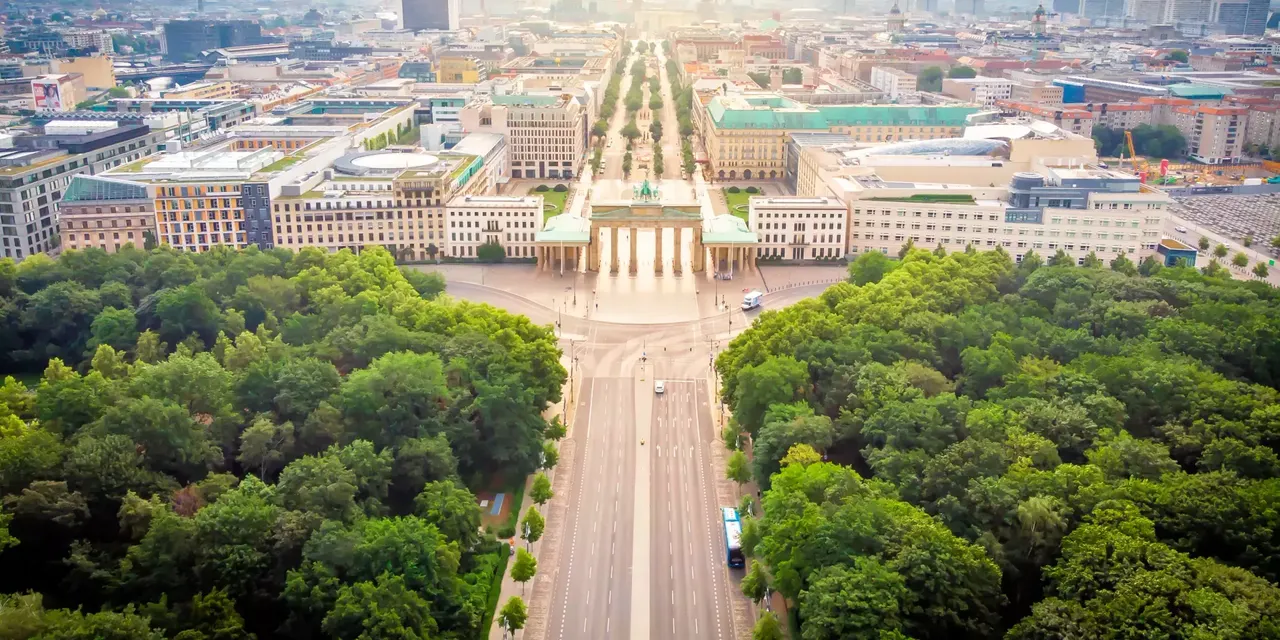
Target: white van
[751, 300]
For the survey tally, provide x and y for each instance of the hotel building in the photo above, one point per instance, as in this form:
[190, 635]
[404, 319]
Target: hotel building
[103, 213]
[1075, 210]
[746, 136]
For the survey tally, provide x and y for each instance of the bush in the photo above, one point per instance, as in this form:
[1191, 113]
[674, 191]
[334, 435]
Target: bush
[542, 188]
[561, 188]
[491, 252]
[507, 532]
[733, 190]
[752, 190]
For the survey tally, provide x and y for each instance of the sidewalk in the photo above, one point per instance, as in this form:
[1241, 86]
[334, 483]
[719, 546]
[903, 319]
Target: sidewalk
[745, 613]
[537, 593]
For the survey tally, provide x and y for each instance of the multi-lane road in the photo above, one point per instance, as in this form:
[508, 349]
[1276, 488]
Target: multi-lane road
[689, 582]
[640, 551]
[592, 598]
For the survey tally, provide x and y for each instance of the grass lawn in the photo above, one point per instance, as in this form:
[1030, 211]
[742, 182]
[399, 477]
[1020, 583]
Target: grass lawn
[282, 164]
[741, 198]
[558, 198]
[938, 198]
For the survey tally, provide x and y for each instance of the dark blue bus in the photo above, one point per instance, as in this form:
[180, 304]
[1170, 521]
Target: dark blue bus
[732, 537]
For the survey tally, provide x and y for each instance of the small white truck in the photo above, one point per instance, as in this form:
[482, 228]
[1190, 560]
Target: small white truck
[751, 300]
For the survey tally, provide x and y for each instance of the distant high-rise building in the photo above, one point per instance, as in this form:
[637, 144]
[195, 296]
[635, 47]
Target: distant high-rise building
[924, 6]
[439, 15]
[1175, 11]
[1101, 8]
[1241, 17]
[1066, 6]
[187, 39]
[970, 7]
[1150, 11]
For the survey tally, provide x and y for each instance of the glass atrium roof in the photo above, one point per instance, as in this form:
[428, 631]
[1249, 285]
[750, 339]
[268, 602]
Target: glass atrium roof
[98, 189]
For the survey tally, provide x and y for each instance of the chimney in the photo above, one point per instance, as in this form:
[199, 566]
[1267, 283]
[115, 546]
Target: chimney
[775, 79]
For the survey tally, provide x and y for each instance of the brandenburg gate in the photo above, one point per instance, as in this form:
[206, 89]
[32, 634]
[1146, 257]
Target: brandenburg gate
[562, 242]
[645, 211]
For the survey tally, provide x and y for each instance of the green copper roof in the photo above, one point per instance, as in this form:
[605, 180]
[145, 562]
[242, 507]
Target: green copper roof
[776, 112]
[1199, 91]
[727, 229]
[94, 189]
[565, 227]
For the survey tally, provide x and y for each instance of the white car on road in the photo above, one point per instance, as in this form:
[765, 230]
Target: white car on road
[659, 386]
[1180, 229]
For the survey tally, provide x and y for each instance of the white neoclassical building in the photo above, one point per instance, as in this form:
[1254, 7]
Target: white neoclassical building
[512, 221]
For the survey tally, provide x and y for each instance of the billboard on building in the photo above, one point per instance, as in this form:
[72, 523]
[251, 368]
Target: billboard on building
[48, 94]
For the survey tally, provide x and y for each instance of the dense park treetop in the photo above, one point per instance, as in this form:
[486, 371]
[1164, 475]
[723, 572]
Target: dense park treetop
[255, 443]
[955, 446]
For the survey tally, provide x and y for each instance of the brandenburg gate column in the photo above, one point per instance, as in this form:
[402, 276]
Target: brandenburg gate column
[633, 233]
[699, 251]
[657, 251]
[677, 232]
[593, 250]
[613, 250]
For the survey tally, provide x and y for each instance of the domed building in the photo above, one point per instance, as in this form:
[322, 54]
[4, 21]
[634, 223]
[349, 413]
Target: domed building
[1037, 20]
[897, 21]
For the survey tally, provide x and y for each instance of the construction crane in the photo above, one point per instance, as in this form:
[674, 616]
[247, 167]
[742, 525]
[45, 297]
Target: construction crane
[1139, 166]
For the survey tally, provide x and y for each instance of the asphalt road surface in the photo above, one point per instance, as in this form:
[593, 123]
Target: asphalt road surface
[642, 555]
[592, 597]
[689, 583]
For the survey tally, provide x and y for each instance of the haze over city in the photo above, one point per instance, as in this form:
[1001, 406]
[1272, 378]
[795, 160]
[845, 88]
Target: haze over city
[582, 320]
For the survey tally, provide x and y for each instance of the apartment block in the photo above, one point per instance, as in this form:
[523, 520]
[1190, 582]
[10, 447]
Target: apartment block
[1262, 125]
[546, 134]
[107, 214]
[1120, 115]
[791, 228]
[983, 90]
[1215, 135]
[511, 221]
[896, 84]
[1077, 211]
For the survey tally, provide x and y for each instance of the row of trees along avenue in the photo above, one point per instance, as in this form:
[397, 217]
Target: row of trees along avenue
[257, 444]
[955, 446]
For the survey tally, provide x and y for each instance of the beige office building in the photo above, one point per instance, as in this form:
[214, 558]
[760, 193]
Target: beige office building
[546, 134]
[103, 213]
